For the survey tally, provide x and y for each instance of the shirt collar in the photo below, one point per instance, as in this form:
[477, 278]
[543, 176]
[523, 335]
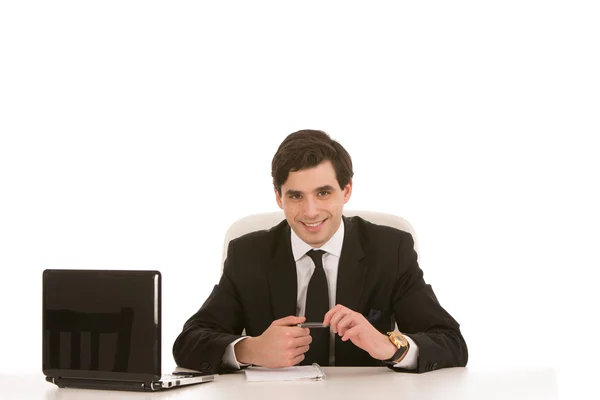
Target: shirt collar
[333, 245]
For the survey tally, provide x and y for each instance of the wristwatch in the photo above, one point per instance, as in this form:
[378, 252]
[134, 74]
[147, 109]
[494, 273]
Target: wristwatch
[398, 340]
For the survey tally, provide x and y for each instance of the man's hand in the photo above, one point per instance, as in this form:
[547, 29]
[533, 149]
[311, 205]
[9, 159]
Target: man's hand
[354, 326]
[283, 344]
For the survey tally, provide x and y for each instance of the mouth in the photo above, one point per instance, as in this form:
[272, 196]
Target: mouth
[314, 226]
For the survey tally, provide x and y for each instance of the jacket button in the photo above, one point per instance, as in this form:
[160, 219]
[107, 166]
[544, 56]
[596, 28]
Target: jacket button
[205, 366]
[434, 366]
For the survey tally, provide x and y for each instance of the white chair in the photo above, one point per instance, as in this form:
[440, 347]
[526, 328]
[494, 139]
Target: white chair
[257, 222]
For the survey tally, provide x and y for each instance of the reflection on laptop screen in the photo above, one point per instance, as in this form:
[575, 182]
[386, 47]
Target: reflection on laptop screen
[102, 321]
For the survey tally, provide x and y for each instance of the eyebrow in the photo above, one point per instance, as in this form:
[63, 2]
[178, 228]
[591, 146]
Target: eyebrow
[291, 192]
[327, 188]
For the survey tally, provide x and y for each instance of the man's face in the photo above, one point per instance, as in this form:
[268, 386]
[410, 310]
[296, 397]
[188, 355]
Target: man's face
[312, 202]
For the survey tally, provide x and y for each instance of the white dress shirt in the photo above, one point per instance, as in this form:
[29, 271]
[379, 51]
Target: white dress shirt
[304, 270]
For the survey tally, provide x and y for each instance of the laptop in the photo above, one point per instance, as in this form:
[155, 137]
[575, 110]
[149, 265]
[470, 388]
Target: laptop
[102, 330]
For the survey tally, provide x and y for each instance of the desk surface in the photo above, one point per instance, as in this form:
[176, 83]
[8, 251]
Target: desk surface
[340, 382]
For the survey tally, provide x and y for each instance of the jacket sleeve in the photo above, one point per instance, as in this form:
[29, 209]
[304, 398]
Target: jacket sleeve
[209, 331]
[420, 316]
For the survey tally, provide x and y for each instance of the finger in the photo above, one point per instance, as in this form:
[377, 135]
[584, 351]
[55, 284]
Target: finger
[303, 341]
[352, 332]
[337, 317]
[347, 322]
[292, 341]
[330, 313]
[288, 321]
[300, 350]
[296, 360]
[356, 319]
[296, 331]
[295, 352]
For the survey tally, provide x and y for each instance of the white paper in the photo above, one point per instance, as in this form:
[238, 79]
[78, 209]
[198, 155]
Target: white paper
[260, 374]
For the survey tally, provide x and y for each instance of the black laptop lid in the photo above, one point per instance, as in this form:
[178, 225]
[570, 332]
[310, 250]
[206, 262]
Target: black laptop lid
[102, 324]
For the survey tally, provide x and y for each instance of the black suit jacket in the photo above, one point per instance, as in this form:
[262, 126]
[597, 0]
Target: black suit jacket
[378, 276]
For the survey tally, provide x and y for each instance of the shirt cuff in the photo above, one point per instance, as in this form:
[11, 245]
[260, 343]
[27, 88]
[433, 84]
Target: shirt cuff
[410, 359]
[229, 359]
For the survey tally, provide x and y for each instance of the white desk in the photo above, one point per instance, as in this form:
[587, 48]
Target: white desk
[340, 383]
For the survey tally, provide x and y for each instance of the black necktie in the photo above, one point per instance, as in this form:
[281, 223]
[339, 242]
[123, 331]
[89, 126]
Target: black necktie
[317, 304]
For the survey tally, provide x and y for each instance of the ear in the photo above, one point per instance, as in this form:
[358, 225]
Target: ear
[278, 199]
[348, 191]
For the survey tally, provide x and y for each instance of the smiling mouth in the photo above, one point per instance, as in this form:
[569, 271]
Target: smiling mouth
[314, 224]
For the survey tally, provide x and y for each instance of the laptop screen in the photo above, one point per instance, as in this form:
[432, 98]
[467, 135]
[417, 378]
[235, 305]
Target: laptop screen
[102, 320]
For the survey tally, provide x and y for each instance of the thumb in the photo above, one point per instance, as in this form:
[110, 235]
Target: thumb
[289, 320]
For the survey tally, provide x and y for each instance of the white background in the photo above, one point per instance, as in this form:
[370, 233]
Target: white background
[134, 133]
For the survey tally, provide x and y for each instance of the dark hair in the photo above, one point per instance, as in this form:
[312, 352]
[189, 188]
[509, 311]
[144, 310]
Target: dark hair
[307, 149]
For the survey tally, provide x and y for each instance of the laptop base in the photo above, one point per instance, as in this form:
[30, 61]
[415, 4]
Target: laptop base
[102, 384]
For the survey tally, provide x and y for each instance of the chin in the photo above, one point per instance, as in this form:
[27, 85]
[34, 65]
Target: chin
[315, 242]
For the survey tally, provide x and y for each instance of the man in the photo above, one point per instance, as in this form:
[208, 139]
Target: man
[354, 277]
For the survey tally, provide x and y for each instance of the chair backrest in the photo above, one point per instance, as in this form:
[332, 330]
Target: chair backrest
[257, 222]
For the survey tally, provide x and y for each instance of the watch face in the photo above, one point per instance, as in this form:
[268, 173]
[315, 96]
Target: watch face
[398, 339]
[403, 341]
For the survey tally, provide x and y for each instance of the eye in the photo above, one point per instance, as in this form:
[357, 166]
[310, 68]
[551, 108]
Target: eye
[323, 193]
[295, 196]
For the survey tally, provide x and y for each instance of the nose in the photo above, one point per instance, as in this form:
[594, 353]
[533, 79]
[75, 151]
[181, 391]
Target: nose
[310, 207]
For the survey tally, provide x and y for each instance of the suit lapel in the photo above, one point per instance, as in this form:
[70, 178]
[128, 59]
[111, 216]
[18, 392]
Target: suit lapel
[351, 272]
[351, 278]
[283, 281]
